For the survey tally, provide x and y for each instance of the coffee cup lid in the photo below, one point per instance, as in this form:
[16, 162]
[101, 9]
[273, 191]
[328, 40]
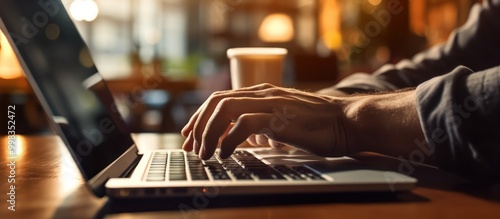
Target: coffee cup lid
[271, 51]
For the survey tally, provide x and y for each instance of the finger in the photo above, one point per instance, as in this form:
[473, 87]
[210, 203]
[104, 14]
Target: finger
[276, 144]
[246, 125]
[214, 100]
[188, 143]
[196, 146]
[225, 133]
[262, 140]
[257, 87]
[227, 130]
[227, 111]
[252, 140]
[188, 127]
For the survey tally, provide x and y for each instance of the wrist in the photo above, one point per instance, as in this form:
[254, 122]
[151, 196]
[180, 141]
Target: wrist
[383, 123]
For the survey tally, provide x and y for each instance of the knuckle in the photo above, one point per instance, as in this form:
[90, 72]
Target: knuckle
[216, 95]
[245, 119]
[277, 91]
[224, 106]
[272, 91]
[266, 84]
[216, 98]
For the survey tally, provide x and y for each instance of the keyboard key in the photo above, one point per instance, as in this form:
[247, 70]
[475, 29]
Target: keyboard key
[177, 176]
[242, 175]
[265, 172]
[289, 172]
[155, 179]
[306, 172]
[242, 165]
[220, 176]
[199, 177]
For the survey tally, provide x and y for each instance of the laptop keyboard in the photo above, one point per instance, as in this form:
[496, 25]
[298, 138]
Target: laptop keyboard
[242, 165]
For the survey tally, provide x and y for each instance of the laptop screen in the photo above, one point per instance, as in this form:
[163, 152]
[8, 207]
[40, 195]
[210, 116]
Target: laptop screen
[58, 64]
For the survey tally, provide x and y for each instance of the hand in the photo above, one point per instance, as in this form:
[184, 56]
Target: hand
[262, 140]
[307, 121]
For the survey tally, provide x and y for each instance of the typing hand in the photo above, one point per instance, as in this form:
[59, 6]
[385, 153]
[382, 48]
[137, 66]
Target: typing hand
[266, 113]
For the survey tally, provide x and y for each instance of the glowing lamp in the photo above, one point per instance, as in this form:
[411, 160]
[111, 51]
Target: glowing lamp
[9, 64]
[276, 28]
[84, 10]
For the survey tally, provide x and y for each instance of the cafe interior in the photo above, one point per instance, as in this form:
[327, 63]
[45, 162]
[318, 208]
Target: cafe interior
[181, 45]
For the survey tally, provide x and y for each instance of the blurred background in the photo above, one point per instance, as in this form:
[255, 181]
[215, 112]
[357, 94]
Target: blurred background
[162, 58]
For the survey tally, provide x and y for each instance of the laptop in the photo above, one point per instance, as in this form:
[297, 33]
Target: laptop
[81, 110]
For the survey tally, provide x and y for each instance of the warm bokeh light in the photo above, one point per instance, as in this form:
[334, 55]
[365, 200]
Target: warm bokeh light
[276, 28]
[84, 10]
[417, 17]
[444, 19]
[330, 23]
[18, 151]
[374, 2]
[332, 39]
[9, 64]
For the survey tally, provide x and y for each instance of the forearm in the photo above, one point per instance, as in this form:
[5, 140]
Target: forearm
[384, 123]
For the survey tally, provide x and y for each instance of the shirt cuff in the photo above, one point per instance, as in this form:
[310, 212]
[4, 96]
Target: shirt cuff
[453, 110]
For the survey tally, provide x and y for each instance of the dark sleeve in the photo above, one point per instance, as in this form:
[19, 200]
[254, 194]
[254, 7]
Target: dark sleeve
[460, 116]
[474, 45]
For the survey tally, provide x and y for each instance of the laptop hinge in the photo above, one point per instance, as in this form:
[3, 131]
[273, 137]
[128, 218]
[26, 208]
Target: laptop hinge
[118, 168]
[132, 167]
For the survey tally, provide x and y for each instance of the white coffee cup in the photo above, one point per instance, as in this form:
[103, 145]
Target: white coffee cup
[255, 65]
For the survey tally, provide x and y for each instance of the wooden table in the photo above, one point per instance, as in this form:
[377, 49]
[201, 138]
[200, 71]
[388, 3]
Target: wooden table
[48, 186]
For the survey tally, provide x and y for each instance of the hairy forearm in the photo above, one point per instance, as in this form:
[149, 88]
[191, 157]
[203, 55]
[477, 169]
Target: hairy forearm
[383, 123]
